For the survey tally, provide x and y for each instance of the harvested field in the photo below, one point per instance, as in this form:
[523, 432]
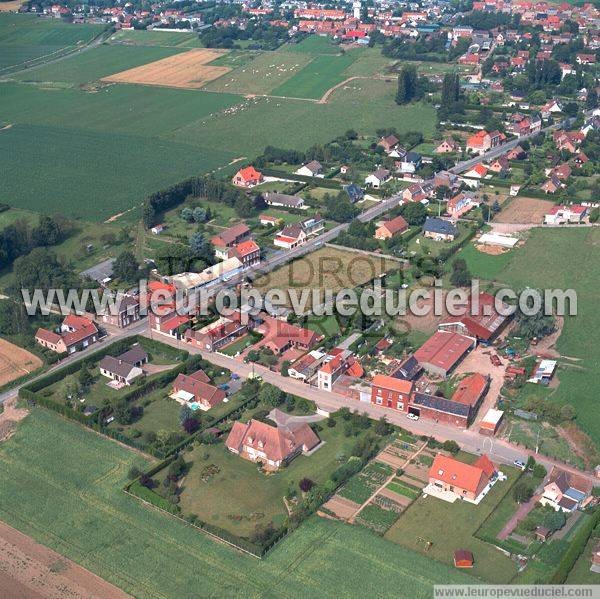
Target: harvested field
[15, 362]
[10, 418]
[327, 268]
[524, 211]
[188, 70]
[29, 569]
[13, 5]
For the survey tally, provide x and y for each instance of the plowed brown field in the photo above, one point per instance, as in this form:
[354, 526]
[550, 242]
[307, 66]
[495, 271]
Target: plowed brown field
[188, 70]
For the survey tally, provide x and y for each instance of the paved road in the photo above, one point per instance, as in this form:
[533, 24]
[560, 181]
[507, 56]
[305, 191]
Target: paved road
[499, 450]
[113, 336]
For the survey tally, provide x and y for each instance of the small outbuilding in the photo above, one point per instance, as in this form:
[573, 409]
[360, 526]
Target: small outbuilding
[463, 558]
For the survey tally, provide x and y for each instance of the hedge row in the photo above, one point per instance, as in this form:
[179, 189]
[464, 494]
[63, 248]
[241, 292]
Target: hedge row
[576, 547]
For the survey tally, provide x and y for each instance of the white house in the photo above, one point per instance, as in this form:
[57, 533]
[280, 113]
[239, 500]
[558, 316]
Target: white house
[311, 169]
[378, 178]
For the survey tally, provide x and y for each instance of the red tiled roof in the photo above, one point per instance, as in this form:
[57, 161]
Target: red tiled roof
[246, 247]
[277, 443]
[443, 349]
[396, 225]
[458, 474]
[197, 386]
[392, 383]
[469, 390]
[250, 174]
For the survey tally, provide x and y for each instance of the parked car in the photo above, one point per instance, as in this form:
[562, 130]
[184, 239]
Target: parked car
[234, 376]
[412, 416]
[520, 464]
[224, 386]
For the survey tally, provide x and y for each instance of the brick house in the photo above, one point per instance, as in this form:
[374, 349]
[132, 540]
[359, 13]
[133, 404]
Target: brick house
[391, 392]
[466, 481]
[271, 445]
[247, 177]
[75, 333]
[127, 311]
[196, 389]
[391, 228]
[227, 239]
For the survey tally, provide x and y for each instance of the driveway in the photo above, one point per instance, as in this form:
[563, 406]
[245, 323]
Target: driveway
[283, 419]
[519, 515]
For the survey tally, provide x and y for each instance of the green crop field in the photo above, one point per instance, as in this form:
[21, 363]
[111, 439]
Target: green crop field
[93, 174]
[317, 77]
[60, 484]
[97, 63]
[156, 38]
[266, 71]
[547, 261]
[26, 40]
[314, 44]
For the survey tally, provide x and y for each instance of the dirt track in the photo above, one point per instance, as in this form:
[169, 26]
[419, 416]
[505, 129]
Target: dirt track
[188, 70]
[30, 570]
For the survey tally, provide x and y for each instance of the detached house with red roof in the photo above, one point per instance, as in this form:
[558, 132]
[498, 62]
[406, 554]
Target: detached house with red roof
[391, 228]
[479, 142]
[273, 446]
[75, 333]
[227, 239]
[562, 215]
[247, 177]
[457, 480]
[196, 392]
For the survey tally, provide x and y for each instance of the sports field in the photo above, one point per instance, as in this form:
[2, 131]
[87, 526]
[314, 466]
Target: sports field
[313, 44]
[61, 485]
[96, 63]
[188, 70]
[316, 78]
[26, 40]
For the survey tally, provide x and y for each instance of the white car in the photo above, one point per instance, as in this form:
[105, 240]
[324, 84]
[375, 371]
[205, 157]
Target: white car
[412, 416]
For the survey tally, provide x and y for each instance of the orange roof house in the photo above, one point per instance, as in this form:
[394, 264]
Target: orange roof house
[479, 142]
[76, 333]
[391, 392]
[391, 228]
[466, 481]
[272, 445]
[196, 389]
[247, 177]
[463, 558]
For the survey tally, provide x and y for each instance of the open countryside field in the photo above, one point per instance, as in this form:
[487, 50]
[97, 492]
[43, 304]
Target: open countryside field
[96, 63]
[69, 179]
[52, 462]
[156, 37]
[313, 44]
[551, 258]
[188, 70]
[26, 40]
[15, 362]
[262, 74]
[135, 127]
[317, 77]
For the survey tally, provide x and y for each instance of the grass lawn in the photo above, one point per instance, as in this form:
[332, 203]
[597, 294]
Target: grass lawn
[430, 247]
[581, 573]
[262, 74]
[324, 325]
[314, 44]
[51, 461]
[238, 346]
[316, 78]
[484, 266]
[578, 339]
[26, 40]
[451, 526]
[97, 63]
[156, 38]
[239, 496]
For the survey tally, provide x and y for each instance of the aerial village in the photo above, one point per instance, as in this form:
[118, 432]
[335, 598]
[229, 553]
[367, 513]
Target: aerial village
[436, 433]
